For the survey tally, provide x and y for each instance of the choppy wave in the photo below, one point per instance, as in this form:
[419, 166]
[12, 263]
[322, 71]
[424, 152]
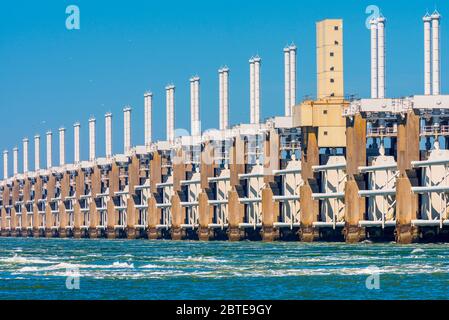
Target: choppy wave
[193, 266]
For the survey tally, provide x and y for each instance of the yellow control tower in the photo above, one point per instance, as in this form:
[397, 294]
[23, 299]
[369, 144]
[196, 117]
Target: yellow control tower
[325, 113]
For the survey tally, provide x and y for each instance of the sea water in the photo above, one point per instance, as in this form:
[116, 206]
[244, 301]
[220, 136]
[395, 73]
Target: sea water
[141, 269]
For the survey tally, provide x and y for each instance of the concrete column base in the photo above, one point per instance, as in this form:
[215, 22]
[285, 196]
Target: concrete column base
[93, 233]
[152, 234]
[307, 233]
[48, 233]
[62, 232]
[235, 234]
[204, 234]
[111, 233]
[354, 234]
[131, 233]
[269, 234]
[406, 234]
[77, 233]
[176, 234]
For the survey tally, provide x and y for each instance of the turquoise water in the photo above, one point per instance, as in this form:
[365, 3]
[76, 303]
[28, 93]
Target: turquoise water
[121, 269]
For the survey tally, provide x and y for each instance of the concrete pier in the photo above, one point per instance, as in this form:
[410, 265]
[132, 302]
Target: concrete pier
[355, 158]
[332, 168]
[406, 200]
[309, 206]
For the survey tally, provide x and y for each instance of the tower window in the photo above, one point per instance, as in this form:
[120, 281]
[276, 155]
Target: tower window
[332, 68]
[336, 28]
[332, 80]
[331, 54]
[336, 43]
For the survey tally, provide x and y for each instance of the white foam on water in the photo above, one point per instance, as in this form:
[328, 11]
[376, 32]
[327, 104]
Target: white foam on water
[150, 266]
[417, 250]
[16, 259]
[123, 265]
[200, 259]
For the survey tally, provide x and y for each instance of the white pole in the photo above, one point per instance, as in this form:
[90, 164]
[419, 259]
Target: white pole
[220, 98]
[381, 56]
[287, 82]
[374, 88]
[197, 107]
[167, 105]
[15, 161]
[25, 155]
[5, 164]
[225, 72]
[257, 62]
[292, 77]
[76, 143]
[61, 146]
[170, 112]
[170, 102]
[108, 133]
[251, 89]
[148, 97]
[37, 154]
[436, 53]
[92, 138]
[127, 129]
[49, 149]
[192, 106]
[427, 56]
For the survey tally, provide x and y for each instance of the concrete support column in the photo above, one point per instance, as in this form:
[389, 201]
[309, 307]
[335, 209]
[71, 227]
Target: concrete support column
[270, 208]
[3, 232]
[112, 214]
[14, 217]
[26, 198]
[154, 216]
[63, 220]
[355, 157]
[93, 220]
[205, 211]
[235, 208]
[24, 210]
[236, 212]
[133, 181]
[112, 218]
[177, 211]
[131, 219]
[154, 213]
[5, 199]
[270, 214]
[309, 206]
[49, 217]
[205, 217]
[77, 220]
[406, 200]
[37, 195]
[80, 178]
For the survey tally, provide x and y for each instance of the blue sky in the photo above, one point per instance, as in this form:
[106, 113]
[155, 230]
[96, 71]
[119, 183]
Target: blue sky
[52, 77]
